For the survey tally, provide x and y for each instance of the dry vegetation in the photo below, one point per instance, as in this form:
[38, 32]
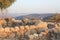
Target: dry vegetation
[24, 31]
[55, 18]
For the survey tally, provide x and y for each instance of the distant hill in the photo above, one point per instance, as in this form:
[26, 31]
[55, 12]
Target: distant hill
[44, 16]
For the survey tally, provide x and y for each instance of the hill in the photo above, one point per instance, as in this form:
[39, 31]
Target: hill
[37, 16]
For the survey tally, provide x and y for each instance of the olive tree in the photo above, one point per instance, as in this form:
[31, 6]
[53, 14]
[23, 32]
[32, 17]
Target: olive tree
[4, 4]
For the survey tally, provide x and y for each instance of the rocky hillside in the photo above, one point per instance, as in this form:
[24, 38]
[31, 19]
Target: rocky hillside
[29, 29]
[30, 33]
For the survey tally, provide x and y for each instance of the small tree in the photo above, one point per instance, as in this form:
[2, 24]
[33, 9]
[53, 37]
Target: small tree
[4, 4]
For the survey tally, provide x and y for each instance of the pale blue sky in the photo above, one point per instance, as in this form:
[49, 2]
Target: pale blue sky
[35, 6]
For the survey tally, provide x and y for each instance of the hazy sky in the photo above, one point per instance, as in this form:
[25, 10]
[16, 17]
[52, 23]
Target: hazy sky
[35, 6]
